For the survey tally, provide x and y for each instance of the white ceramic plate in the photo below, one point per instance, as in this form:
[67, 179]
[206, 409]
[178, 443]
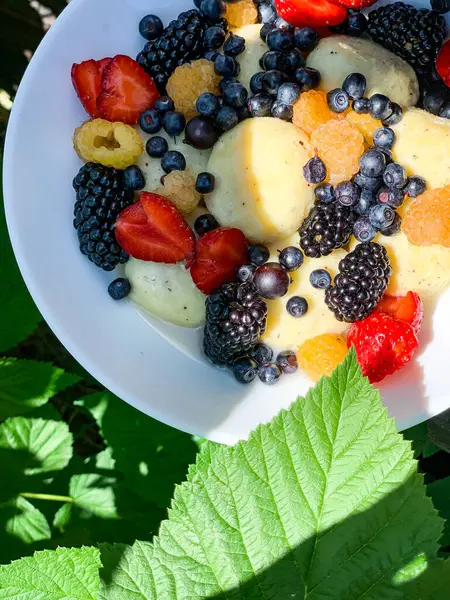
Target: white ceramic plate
[136, 361]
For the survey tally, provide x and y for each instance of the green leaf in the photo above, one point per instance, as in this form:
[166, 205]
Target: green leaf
[63, 574]
[323, 502]
[25, 385]
[152, 456]
[24, 522]
[439, 431]
[433, 584]
[439, 492]
[430, 449]
[418, 436]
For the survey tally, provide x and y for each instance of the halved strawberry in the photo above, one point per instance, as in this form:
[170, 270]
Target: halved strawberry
[314, 13]
[127, 90]
[355, 4]
[443, 63]
[219, 254]
[87, 81]
[154, 230]
[407, 308]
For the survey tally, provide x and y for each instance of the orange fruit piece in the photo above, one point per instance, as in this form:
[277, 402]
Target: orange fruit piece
[340, 145]
[311, 111]
[427, 222]
[320, 356]
[366, 125]
[241, 13]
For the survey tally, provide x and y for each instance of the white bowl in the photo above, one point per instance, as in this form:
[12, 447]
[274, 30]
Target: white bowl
[110, 339]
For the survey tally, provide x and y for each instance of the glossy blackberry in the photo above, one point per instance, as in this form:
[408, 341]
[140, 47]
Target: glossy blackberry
[362, 280]
[414, 35]
[182, 41]
[236, 319]
[327, 227]
[101, 197]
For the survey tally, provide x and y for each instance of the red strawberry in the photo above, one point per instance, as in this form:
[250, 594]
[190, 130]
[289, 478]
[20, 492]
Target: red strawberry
[219, 254]
[355, 4]
[127, 91]
[153, 229]
[407, 308]
[383, 345]
[314, 13]
[443, 63]
[87, 81]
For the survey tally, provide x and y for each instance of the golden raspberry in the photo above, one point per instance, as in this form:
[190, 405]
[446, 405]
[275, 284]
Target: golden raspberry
[340, 145]
[241, 13]
[311, 111]
[189, 81]
[366, 125]
[110, 144]
[179, 187]
[427, 222]
[321, 355]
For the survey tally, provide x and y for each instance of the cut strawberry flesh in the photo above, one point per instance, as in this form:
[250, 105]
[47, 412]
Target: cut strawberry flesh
[87, 81]
[407, 308]
[443, 63]
[316, 13]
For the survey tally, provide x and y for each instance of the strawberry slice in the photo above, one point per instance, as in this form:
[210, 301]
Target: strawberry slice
[313, 13]
[87, 81]
[127, 91]
[355, 4]
[407, 308]
[443, 63]
[154, 230]
[219, 254]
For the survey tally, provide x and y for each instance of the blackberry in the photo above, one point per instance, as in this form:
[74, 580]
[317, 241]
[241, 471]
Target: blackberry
[101, 196]
[182, 41]
[236, 319]
[327, 228]
[362, 280]
[415, 35]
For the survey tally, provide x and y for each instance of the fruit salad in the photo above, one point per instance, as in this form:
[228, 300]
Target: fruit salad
[274, 174]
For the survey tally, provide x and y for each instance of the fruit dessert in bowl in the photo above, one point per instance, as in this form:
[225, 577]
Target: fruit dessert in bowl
[263, 183]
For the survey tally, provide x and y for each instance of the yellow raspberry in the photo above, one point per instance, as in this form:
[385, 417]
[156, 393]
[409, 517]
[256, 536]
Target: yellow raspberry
[189, 81]
[110, 144]
[366, 124]
[340, 145]
[427, 221]
[179, 187]
[311, 111]
[321, 355]
[241, 13]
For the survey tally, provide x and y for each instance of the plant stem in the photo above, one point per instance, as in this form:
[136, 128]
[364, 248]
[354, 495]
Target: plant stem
[50, 497]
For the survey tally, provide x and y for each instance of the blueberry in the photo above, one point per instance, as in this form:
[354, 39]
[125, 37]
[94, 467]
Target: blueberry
[267, 14]
[394, 228]
[416, 186]
[214, 37]
[288, 93]
[372, 163]
[361, 106]
[226, 66]
[258, 255]
[440, 6]
[315, 170]
[226, 118]
[245, 273]
[434, 99]
[355, 85]
[234, 45]
[225, 82]
[164, 104]
[119, 288]
[297, 306]
[354, 25]
[366, 201]
[445, 111]
[368, 183]
[272, 80]
[235, 95]
[151, 27]
[201, 133]
[243, 113]
[134, 178]
[324, 193]
[347, 193]
[384, 137]
[338, 100]
[256, 83]
[391, 196]
[282, 111]
[287, 361]
[280, 39]
[320, 279]
[262, 354]
[274, 60]
[381, 216]
[295, 59]
[380, 106]
[156, 147]
[306, 38]
[265, 30]
[174, 123]
[395, 117]
[269, 374]
[387, 153]
[205, 183]
[245, 370]
[211, 55]
[205, 223]
[260, 105]
[271, 281]
[208, 104]
[291, 258]
[173, 161]
[150, 121]
[363, 230]
[307, 78]
[280, 23]
[394, 176]
[213, 10]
